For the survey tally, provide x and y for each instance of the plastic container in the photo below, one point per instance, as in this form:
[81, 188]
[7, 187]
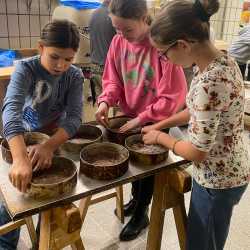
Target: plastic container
[81, 4]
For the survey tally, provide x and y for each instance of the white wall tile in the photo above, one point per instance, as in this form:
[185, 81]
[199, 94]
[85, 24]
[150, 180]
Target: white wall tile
[12, 6]
[13, 25]
[44, 10]
[14, 43]
[25, 42]
[24, 25]
[34, 26]
[2, 6]
[236, 29]
[44, 20]
[3, 26]
[236, 3]
[230, 27]
[4, 43]
[234, 15]
[227, 16]
[35, 7]
[22, 28]
[34, 41]
[22, 7]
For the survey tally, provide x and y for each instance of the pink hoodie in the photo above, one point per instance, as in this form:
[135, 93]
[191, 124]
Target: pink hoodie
[140, 82]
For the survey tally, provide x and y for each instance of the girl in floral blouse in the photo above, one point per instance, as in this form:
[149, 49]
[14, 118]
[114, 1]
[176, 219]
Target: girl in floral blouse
[215, 116]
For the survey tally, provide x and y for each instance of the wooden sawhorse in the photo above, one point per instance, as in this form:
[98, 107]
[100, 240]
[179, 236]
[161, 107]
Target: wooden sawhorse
[169, 189]
[61, 227]
[16, 224]
[118, 194]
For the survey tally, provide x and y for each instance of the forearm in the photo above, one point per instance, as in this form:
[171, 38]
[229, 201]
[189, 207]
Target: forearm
[57, 139]
[17, 147]
[179, 119]
[182, 148]
[20, 173]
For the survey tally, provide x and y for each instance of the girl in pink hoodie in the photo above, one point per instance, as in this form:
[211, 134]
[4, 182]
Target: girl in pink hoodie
[144, 85]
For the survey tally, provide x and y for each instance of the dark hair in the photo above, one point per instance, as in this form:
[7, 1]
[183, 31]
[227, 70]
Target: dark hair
[182, 19]
[129, 9]
[60, 34]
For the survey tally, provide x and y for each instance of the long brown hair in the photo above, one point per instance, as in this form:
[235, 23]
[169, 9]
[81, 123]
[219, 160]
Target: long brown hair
[183, 19]
[60, 34]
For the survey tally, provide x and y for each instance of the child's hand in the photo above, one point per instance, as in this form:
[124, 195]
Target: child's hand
[130, 125]
[21, 173]
[101, 114]
[151, 137]
[40, 156]
[148, 128]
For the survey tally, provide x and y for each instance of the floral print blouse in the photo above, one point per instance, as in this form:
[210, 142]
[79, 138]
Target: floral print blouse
[216, 105]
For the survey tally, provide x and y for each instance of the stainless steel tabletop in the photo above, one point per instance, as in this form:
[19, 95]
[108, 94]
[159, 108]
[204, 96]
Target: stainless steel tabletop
[20, 205]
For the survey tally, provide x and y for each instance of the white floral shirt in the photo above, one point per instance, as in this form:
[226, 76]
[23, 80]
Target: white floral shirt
[216, 105]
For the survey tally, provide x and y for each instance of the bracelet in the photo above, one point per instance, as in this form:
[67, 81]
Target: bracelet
[156, 138]
[173, 148]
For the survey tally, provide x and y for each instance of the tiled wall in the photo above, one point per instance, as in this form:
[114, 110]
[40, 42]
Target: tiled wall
[226, 22]
[21, 21]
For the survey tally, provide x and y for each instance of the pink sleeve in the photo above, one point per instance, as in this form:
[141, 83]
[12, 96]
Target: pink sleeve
[112, 87]
[171, 95]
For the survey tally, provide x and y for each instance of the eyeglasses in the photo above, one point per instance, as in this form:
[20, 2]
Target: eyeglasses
[163, 54]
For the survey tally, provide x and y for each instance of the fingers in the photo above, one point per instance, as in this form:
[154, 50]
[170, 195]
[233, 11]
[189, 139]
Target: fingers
[38, 166]
[31, 151]
[146, 129]
[126, 127]
[49, 162]
[34, 159]
[42, 163]
[123, 128]
[20, 181]
[24, 184]
[102, 114]
[146, 139]
[99, 118]
[45, 163]
[104, 121]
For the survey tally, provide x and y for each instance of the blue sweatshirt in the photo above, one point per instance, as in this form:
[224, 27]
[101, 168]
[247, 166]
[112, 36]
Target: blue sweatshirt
[35, 99]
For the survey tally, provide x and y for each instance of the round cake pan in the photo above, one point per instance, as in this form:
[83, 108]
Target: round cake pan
[104, 161]
[30, 138]
[86, 135]
[144, 154]
[60, 178]
[113, 134]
